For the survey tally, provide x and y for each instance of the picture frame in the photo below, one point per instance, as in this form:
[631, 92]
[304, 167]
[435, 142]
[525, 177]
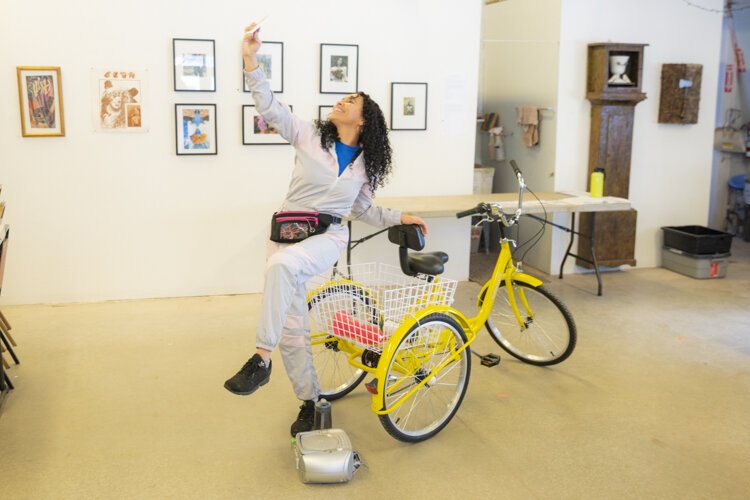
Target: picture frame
[40, 101]
[195, 129]
[255, 130]
[339, 68]
[324, 112]
[408, 106]
[194, 65]
[271, 58]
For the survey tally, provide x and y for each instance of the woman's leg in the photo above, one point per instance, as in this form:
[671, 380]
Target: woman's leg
[295, 350]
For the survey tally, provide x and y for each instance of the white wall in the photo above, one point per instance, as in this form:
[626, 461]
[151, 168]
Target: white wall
[99, 216]
[671, 164]
[519, 67]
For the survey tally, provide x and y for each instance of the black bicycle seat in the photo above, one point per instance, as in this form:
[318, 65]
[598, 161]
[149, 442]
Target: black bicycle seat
[428, 262]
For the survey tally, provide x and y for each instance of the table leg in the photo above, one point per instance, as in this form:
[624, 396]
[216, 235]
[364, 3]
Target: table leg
[570, 244]
[592, 239]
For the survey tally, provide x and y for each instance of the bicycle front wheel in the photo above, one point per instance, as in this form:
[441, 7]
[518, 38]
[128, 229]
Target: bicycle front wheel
[336, 376]
[431, 351]
[549, 333]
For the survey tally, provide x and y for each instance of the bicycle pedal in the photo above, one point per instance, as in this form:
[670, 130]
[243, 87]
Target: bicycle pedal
[490, 360]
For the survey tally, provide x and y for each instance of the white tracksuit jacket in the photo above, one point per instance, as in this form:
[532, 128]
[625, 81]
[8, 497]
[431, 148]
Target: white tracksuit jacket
[315, 186]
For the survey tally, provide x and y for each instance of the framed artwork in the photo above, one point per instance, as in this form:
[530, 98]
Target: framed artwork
[339, 68]
[195, 125]
[271, 59]
[408, 106]
[194, 65]
[255, 130]
[324, 112]
[118, 100]
[40, 100]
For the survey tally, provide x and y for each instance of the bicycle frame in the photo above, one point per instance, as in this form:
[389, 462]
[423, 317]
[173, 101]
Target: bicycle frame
[505, 271]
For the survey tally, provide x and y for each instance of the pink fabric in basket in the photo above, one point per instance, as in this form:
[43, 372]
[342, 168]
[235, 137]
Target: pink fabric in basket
[345, 326]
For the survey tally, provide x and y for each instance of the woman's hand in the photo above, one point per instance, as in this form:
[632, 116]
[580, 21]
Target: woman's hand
[413, 219]
[250, 45]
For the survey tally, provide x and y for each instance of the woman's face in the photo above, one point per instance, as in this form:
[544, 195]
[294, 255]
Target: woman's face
[116, 101]
[348, 111]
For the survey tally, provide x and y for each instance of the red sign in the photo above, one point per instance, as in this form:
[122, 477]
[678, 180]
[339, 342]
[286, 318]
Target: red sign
[728, 78]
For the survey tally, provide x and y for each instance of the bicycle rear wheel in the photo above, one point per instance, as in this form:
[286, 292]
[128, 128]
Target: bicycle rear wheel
[429, 351]
[549, 336]
[336, 376]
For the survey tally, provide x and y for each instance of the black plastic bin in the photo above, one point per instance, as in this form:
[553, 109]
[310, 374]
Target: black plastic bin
[697, 239]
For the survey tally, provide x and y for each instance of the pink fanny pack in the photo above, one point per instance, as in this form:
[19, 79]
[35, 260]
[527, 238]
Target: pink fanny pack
[294, 226]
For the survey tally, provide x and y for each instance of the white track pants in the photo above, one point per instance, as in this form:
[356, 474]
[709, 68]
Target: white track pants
[283, 316]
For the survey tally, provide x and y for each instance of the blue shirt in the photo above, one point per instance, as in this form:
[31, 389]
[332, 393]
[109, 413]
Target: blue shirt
[346, 155]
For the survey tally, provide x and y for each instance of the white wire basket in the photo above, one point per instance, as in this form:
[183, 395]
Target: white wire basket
[365, 303]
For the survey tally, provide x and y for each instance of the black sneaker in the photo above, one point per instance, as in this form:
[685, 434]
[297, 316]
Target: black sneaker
[305, 419]
[253, 375]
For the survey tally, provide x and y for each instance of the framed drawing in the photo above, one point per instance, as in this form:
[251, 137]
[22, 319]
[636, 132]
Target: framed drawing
[255, 130]
[194, 65]
[408, 106]
[40, 101]
[271, 59]
[195, 125]
[339, 68]
[118, 100]
[324, 112]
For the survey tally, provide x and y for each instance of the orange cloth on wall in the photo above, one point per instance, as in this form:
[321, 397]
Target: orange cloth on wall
[528, 118]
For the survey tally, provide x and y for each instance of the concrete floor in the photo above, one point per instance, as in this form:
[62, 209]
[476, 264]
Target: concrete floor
[125, 400]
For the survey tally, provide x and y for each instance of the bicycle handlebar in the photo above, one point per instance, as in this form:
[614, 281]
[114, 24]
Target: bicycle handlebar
[487, 208]
[472, 211]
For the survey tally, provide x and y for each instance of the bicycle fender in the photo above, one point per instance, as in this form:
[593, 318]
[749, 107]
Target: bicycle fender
[520, 277]
[390, 347]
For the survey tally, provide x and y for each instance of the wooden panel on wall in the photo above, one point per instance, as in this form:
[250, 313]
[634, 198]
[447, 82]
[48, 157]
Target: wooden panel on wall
[680, 93]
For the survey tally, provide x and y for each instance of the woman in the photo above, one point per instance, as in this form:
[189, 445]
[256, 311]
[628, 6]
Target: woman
[338, 165]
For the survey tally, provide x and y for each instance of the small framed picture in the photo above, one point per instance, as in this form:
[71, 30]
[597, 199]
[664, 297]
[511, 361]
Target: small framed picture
[194, 65]
[324, 112]
[271, 59]
[255, 130]
[40, 100]
[408, 106]
[195, 125]
[339, 68]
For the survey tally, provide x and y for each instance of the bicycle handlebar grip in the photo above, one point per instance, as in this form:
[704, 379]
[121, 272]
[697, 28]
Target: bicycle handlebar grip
[515, 167]
[468, 212]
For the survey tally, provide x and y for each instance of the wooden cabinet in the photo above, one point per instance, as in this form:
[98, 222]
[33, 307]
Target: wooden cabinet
[613, 85]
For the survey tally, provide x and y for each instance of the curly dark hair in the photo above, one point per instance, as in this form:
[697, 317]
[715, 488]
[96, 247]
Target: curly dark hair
[373, 138]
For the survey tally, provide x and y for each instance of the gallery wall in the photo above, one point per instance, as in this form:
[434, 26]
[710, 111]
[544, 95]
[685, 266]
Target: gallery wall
[98, 216]
[671, 164]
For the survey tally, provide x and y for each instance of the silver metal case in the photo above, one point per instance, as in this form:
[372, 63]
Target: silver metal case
[324, 456]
